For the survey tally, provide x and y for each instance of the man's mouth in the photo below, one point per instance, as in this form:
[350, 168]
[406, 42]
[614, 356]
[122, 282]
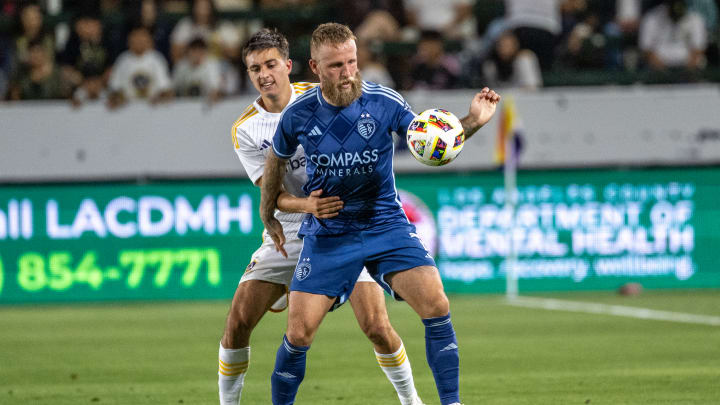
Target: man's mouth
[266, 86]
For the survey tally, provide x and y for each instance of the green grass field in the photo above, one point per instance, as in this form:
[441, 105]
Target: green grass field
[166, 353]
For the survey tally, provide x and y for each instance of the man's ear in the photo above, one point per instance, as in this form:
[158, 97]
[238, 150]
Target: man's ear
[313, 66]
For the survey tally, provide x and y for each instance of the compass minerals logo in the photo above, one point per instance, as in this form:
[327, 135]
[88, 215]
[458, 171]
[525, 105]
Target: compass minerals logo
[345, 163]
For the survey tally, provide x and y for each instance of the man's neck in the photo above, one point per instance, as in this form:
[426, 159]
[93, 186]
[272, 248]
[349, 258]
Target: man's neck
[276, 104]
[327, 99]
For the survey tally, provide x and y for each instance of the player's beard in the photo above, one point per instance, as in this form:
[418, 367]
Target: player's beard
[342, 97]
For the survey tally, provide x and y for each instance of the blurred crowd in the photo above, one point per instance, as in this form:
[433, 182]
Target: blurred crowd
[119, 51]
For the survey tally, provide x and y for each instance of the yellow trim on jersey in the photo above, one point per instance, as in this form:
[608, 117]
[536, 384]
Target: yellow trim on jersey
[249, 112]
[302, 87]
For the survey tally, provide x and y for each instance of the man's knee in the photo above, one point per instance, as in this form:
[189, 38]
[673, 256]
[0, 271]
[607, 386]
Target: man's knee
[436, 307]
[300, 336]
[379, 332]
[238, 329]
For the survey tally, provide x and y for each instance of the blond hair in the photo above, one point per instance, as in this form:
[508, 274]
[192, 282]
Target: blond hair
[330, 34]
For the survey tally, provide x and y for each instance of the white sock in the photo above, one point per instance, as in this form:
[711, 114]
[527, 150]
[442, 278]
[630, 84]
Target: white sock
[232, 365]
[396, 367]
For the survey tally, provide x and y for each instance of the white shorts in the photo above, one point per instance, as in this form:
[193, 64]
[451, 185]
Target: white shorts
[269, 265]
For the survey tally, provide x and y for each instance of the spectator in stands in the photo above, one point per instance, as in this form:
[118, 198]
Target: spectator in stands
[32, 28]
[627, 16]
[537, 26]
[139, 73]
[673, 37]
[371, 67]
[222, 37]
[708, 10]
[510, 66]
[586, 45]
[146, 14]
[453, 18]
[356, 13]
[38, 78]
[198, 74]
[85, 49]
[432, 68]
[92, 89]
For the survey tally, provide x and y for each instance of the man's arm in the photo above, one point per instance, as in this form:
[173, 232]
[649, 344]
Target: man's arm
[319, 207]
[482, 108]
[270, 189]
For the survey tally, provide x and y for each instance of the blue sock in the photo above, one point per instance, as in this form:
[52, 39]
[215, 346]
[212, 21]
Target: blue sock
[289, 372]
[441, 350]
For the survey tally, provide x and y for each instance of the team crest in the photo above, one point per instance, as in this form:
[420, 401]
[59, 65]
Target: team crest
[250, 266]
[366, 125]
[303, 269]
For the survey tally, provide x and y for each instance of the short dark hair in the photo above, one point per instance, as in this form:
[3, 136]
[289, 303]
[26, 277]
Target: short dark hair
[267, 39]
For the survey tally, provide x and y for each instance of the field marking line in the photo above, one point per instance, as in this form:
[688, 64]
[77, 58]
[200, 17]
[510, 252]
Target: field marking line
[617, 310]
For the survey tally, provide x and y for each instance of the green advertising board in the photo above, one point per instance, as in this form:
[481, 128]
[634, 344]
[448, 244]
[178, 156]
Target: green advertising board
[172, 240]
[574, 229]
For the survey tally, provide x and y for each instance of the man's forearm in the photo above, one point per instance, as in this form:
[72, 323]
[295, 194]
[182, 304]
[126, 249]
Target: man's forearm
[287, 202]
[470, 126]
[271, 186]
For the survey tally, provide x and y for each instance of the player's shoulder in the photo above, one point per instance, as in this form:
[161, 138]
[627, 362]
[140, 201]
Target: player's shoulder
[308, 96]
[301, 87]
[382, 93]
[245, 118]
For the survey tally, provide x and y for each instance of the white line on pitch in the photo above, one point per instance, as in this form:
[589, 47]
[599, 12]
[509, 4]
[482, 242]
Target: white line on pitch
[617, 310]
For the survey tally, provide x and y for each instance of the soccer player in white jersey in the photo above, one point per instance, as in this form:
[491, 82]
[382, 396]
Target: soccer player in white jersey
[345, 128]
[265, 283]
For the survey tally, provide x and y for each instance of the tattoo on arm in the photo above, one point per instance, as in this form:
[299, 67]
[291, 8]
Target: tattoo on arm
[469, 126]
[271, 185]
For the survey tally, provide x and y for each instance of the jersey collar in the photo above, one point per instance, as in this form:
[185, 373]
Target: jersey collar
[263, 111]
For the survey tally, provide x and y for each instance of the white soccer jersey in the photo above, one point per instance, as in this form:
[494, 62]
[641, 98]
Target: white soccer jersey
[140, 76]
[252, 136]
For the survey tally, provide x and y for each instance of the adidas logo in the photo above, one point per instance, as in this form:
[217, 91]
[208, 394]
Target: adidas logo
[265, 144]
[451, 346]
[315, 131]
[285, 374]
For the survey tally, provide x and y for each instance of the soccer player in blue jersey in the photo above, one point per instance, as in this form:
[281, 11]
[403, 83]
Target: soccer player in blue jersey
[344, 127]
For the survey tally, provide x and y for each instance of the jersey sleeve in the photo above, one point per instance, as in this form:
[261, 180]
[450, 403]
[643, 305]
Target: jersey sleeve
[285, 141]
[251, 157]
[403, 116]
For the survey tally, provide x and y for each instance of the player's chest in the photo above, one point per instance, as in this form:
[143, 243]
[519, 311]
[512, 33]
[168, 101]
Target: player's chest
[357, 131]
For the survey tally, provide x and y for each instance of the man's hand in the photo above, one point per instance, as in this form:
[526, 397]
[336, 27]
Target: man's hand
[322, 207]
[482, 108]
[275, 230]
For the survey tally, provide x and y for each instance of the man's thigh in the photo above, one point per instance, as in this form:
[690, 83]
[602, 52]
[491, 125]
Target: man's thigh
[328, 265]
[395, 250]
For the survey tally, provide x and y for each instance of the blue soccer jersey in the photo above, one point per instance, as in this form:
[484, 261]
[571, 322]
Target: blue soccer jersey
[349, 153]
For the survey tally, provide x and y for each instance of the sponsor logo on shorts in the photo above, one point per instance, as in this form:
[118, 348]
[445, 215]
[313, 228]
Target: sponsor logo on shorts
[250, 266]
[303, 269]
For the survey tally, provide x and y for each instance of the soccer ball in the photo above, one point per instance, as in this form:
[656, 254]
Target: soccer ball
[435, 137]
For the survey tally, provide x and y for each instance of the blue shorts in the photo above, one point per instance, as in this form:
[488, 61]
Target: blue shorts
[330, 264]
